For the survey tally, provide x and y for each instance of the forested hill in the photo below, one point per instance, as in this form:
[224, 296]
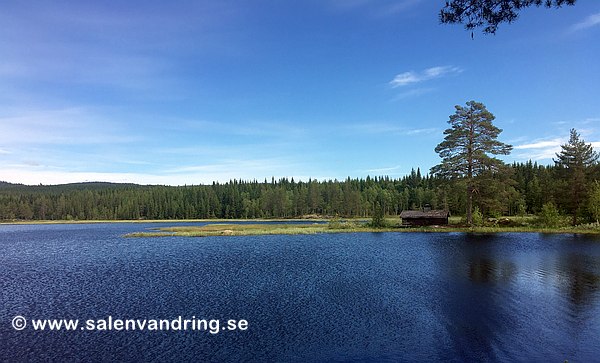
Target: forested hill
[4, 186]
[518, 188]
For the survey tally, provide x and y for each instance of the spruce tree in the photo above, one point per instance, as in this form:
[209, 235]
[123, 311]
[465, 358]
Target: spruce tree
[574, 160]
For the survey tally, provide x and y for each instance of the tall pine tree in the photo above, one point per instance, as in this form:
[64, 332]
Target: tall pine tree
[465, 149]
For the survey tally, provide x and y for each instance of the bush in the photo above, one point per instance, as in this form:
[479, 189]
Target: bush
[336, 223]
[549, 216]
[477, 217]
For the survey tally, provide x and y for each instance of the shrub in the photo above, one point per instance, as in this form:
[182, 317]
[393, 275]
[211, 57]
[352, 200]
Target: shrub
[549, 216]
[477, 217]
[335, 223]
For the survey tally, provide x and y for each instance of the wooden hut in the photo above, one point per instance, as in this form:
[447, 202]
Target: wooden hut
[424, 217]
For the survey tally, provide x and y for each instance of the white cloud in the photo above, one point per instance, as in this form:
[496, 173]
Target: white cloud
[430, 130]
[33, 177]
[590, 21]
[544, 149]
[411, 77]
[405, 78]
[413, 93]
[543, 144]
[387, 128]
[22, 174]
[226, 166]
[397, 7]
[376, 8]
[68, 126]
[383, 170]
[539, 149]
[173, 173]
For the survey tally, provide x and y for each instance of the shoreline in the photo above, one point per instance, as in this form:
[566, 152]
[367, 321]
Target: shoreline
[224, 229]
[220, 227]
[133, 221]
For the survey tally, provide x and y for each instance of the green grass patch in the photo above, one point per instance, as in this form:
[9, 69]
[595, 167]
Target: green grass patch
[352, 226]
[217, 229]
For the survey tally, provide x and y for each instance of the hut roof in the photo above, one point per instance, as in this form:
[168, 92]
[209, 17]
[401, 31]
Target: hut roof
[424, 214]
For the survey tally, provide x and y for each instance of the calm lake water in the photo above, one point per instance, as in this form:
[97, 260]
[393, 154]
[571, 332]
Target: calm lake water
[337, 297]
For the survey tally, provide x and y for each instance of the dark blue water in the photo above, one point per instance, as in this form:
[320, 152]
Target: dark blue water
[335, 297]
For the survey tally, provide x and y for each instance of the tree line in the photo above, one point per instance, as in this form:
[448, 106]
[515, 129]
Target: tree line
[469, 180]
[516, 189]
[467, 153]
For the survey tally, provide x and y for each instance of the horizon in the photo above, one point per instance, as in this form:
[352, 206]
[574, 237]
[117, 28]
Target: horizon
[195, 93]
[264, 180]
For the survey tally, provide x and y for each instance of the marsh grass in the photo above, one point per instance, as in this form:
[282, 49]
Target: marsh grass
[517, 225]
[219, 229]
[351, 226]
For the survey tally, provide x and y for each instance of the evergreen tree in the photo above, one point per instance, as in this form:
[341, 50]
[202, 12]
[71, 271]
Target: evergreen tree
[575, 159]
[490, 13]
[465, 149]
[378, 219]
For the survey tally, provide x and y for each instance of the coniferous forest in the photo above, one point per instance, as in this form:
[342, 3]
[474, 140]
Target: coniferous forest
[467, 182]
[517, 189]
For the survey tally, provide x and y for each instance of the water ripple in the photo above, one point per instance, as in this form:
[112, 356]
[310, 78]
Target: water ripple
[347, 297]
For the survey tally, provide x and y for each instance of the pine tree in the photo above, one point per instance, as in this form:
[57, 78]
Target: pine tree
[490, 13]
[465, 149]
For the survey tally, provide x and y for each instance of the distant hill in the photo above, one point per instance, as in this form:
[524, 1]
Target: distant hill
[70, 186]
[523, 188]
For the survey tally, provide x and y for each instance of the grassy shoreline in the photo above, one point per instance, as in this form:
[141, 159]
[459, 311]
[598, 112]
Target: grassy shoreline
[228, 227]
[294, 229]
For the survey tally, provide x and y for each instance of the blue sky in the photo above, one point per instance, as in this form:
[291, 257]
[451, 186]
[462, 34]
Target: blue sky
[190, 92]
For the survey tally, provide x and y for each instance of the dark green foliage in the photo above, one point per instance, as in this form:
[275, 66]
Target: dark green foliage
[235, 199]
[594, 202]
[378, 220]
[477, 217]
[468, 141]
[490, 13]
[517, 189]
[549, 216]
[466, 146]
[576, 153]
[574, 162]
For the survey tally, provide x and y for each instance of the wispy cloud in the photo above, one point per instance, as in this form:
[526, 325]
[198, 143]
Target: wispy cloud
[122, 48]
[412, 77]
[387, 128]
[383, 170]
[228, 165]
[376, 8]
[540, 144]
[68, 126]
[223, 171]
[542, 149]
[589, 22]
[413, 93]
[396, 7]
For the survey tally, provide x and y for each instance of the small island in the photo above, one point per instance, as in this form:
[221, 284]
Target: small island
[528, 224]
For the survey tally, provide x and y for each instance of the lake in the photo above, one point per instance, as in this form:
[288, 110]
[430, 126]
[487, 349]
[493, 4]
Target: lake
[306, 298]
